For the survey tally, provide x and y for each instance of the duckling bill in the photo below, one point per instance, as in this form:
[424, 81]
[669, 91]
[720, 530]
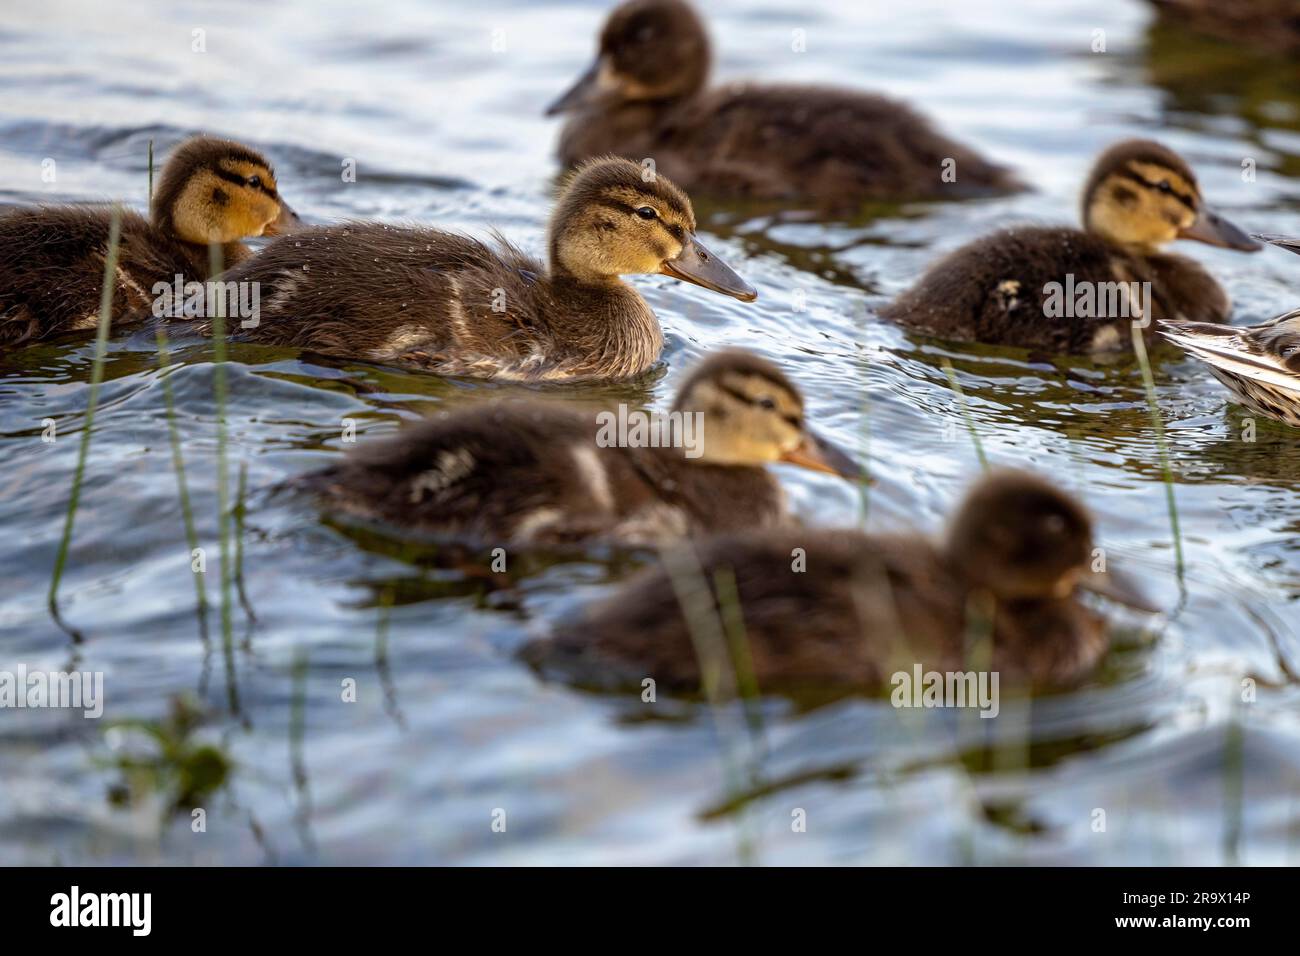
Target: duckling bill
[999, 289]
[449, 304]
[862, 607]
[645, 96]
[211, 191]
[1260, 364]
[544, 474]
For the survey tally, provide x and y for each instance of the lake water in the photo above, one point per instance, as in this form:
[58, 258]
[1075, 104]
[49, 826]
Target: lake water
[448, 729]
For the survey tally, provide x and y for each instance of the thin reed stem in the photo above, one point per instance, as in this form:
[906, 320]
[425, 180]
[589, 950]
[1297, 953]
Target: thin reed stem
[241, 496]
[297, 742]
[1234, 784]
[96, 377]
[705, 627]
[965, 414]
[217, 315]
[178, 465]
[1166, 464]
[733, 628]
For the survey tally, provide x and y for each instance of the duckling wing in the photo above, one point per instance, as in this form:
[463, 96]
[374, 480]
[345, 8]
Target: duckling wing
[497, 317]
[507, 472]
[833, 145]
[388, 293]
[999, 288]
[1183, 290]
[703, 498]
[52, 270]
[815, 609]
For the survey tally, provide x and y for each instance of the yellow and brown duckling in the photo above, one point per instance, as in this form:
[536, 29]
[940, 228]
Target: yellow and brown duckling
[1259, 364]
[826, 610]
[546, 474]
[211, 191]
[1053, 287]
[453, 305]
[645, 97]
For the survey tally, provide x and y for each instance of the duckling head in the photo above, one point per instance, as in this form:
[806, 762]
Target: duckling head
[613, 219]
[218, 191]
[1142, 195]
[1021, 538]
[753, 414]
[649, 50]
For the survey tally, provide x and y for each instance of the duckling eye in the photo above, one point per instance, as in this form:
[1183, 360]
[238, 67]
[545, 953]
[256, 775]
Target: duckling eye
[255, 181]
[646, 212]
[767, 403]
[1164, 186]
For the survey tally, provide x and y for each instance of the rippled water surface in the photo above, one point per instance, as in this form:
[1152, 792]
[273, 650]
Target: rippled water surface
[448, 727]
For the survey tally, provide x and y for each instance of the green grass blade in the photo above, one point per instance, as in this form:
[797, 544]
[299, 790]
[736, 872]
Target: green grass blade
[965, 414]
[178, 465]
[217, 315]
[297, 747]
[1162, 444]
[96, 377]
[240, 511]
[718, 679]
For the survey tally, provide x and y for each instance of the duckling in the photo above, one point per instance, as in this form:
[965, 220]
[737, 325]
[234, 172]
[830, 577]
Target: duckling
[1259, 364]
[544, 474]
[861, 607]
[1053, 287]
[645, 98]
[52, 258]
[453, 305]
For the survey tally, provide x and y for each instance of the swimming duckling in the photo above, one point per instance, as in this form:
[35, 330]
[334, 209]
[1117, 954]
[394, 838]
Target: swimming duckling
[455, 306]
[1259, 364]
[645, 98]
[851, 609]
[52, 258]
[546, 474]
[1053, 287]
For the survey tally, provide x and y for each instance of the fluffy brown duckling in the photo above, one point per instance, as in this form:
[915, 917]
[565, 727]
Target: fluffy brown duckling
[1053, 287]
[860, 607]
[645, 98]
[52, 258]
[546, 474]
[1259, 364]
[453, 305]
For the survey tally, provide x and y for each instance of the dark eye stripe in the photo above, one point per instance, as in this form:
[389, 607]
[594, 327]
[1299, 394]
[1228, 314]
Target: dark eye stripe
[614, 204]
[239, 180]
[1187, 201]
[741, 397]
[631, 209]
[735, 393]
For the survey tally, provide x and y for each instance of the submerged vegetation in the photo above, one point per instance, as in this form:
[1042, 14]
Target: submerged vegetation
[168, 766]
